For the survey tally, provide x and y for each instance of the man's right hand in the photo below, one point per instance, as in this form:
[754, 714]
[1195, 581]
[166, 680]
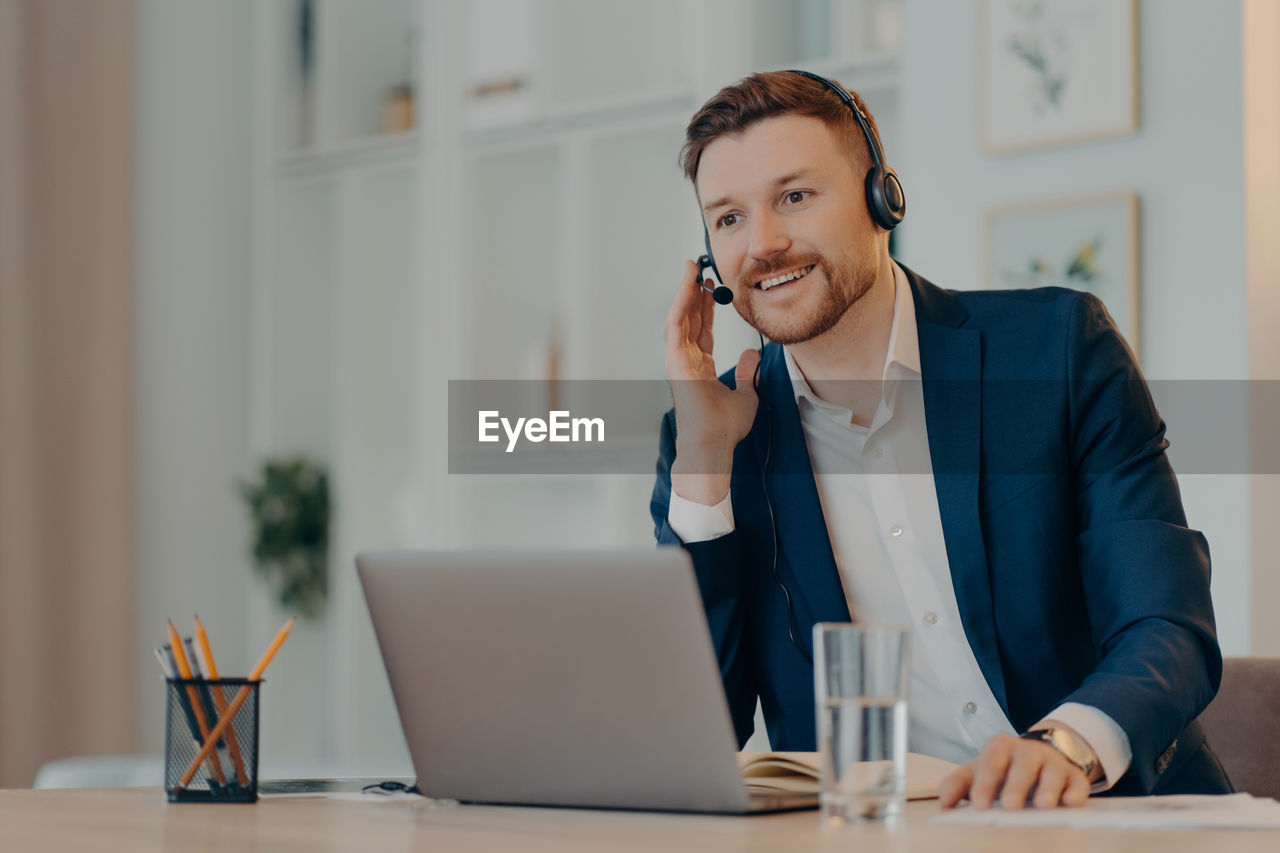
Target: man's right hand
[711, 418]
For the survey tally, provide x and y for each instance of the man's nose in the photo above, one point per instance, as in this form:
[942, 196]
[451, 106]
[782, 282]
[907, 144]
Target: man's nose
[768, 236]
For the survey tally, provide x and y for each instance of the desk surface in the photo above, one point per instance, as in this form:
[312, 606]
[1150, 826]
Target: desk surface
[139, 820]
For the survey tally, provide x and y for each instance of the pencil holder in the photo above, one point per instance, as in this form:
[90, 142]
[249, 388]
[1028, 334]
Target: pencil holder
[195, 707]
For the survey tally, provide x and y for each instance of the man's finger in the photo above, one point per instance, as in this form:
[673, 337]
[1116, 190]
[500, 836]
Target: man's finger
[955, 787]
[1049, 788]
[681, 337]
[686, 296]
[992, 765]
[708, 306]
[746, 371]
[1023, 772]
[1077, 792]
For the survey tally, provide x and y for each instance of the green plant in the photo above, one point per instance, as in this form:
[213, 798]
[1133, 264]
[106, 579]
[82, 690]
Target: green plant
[289, 507]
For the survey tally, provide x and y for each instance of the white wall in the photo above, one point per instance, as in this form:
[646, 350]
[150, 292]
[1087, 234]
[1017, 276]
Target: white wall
[1184, 164]
[193, 260]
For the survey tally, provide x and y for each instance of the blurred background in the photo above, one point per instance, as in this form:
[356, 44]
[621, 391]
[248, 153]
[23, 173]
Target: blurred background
[236, 233]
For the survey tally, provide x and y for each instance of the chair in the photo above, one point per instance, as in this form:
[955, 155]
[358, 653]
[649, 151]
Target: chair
[1243, 724]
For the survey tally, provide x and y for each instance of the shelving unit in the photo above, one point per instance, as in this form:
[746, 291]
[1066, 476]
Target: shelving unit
[536, 206]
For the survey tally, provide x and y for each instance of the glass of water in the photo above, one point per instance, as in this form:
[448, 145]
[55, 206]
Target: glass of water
[860, 675]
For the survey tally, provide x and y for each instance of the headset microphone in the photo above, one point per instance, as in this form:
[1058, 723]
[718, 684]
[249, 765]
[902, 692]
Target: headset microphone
[721, 294]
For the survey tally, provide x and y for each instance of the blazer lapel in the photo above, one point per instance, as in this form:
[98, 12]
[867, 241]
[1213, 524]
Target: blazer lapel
[951, 369]
[815, 584]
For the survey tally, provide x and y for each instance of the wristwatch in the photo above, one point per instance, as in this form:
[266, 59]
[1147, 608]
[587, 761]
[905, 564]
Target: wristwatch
[1070, 745]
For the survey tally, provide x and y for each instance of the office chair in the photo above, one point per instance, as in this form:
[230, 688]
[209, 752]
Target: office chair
[1243, 724]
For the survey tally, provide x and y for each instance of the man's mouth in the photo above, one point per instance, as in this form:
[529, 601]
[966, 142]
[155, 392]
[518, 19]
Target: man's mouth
[784, 278]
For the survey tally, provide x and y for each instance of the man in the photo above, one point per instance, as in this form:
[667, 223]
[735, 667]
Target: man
[987, 467]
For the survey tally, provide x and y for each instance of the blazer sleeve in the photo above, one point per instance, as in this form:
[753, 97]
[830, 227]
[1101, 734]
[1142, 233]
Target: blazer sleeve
[718, 566]
[1145, 574]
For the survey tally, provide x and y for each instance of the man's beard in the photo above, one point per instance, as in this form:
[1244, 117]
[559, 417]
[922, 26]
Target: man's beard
[844, 285]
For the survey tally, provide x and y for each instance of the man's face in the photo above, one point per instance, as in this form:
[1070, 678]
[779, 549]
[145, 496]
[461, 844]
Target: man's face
[783, 200]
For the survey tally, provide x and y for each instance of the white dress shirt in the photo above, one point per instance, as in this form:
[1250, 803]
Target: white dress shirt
[876, 487]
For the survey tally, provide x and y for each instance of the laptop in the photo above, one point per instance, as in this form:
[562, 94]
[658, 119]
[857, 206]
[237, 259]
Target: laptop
[565, 678]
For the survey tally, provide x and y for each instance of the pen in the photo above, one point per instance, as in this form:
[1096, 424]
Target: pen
[175, 643]
[197, 672]
[241, 695]
[205, 654]
[206, 696]
[169, 668]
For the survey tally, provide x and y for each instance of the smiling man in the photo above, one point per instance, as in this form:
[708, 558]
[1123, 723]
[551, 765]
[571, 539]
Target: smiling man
[987, 467]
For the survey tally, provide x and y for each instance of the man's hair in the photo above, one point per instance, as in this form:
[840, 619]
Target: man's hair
[734, 109]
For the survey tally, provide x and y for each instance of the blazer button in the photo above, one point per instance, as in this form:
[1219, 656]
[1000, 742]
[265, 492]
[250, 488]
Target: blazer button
[1162, 763]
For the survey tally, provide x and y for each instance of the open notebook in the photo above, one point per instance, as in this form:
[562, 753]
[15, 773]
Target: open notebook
[798, 772]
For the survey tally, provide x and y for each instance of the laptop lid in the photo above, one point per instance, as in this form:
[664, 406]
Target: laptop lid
[575, 678]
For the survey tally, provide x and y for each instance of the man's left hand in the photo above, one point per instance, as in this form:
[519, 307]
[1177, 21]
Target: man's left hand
[1011, 769]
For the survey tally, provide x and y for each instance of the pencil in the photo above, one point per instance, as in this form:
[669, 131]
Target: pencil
[211, 670]
[241, 695]
[184, 669]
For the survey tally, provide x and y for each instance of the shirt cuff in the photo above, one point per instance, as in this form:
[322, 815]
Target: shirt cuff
[1103, 734]
[695, 522]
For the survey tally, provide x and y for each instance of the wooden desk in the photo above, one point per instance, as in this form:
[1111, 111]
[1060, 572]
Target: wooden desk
[137, 820]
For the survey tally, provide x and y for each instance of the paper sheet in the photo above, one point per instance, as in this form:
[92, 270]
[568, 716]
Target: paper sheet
[1229, 811]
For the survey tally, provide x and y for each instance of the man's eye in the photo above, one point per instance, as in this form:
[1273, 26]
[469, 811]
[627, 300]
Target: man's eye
[797, 196]
[727, 220]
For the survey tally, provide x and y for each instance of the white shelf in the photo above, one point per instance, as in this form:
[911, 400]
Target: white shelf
[362, 52]
[389, 148]
[612, 114]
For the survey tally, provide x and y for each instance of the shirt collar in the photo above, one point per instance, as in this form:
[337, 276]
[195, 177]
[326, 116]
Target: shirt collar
[902, 358]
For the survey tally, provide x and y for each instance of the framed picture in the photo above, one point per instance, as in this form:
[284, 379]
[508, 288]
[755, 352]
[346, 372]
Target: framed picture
[1058, 71]
[1088, 243]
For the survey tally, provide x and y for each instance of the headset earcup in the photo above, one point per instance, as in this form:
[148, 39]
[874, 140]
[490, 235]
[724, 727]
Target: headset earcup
[885, 198]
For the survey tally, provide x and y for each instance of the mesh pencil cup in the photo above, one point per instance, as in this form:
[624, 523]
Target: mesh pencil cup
[195, 707]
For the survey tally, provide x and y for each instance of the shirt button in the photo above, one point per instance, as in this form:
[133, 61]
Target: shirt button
[896, 530]
[931, 618]
[876, 453]
[970, 708]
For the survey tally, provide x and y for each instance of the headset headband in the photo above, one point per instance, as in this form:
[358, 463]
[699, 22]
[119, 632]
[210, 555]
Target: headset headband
[873, 142]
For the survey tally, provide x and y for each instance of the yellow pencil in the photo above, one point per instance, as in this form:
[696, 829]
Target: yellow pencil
[211, 670]
[228, 715]
[184, 670]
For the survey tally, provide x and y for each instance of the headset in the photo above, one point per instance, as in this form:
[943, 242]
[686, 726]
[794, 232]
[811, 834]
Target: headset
[886, 201]
[887, 204]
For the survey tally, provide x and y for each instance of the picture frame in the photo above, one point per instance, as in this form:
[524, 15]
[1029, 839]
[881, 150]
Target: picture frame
[1057, 72]
[1087, 243]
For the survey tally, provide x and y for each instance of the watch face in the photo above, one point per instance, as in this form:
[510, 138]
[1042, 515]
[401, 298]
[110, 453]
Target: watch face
[1071, 747]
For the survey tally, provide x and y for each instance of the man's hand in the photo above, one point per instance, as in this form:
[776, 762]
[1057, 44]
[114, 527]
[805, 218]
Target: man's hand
[1010, 769]
[711, 418]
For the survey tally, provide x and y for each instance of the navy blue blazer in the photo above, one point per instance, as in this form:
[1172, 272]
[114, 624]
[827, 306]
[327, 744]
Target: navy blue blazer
[1076, 575]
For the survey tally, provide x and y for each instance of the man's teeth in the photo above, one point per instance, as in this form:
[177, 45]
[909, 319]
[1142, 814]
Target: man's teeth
[783, 279]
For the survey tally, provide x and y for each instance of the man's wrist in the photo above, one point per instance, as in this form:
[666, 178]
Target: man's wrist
[707, 489]
[715, 458]
[1068, 743]
[701, 473]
